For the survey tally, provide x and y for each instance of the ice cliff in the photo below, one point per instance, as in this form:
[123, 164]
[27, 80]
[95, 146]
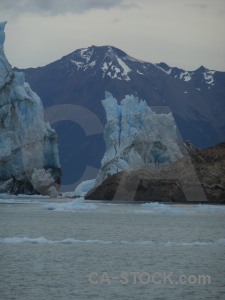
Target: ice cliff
[29, 160]
[136, 137]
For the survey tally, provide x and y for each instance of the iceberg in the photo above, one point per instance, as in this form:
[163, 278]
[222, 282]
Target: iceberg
[28, 145]
[84, 187]
[81, 190]
[136, 137]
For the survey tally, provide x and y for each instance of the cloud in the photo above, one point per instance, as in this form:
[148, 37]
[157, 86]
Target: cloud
[199, 5]
[116, 20]
[221, 12]
[129, 5]
[55, 7]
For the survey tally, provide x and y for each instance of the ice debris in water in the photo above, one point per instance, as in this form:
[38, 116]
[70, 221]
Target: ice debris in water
[76, 205]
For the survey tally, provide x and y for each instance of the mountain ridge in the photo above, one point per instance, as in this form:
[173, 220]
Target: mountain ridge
[195, 98]
[90, 51]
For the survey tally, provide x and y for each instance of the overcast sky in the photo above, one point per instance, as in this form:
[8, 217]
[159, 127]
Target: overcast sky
[182, 33]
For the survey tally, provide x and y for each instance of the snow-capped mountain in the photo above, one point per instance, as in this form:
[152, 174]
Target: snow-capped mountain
[136, 137]
[107, 61]
[195, 98]
[202, 74]
[29, 161]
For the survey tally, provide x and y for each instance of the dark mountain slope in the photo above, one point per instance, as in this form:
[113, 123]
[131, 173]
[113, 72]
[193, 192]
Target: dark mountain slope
[196, 99]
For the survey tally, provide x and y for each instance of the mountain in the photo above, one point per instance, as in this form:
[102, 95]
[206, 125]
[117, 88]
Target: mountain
[195, 98]
[29, 161]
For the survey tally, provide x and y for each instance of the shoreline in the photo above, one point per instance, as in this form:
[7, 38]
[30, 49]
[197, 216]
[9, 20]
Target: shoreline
[61, 199]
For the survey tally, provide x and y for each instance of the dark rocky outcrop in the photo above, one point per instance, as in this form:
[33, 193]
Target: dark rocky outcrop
[198, 177]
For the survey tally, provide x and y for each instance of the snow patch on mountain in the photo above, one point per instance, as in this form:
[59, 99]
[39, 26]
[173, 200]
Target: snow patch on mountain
[125, 68]
[186, 76]
[78, 64]
[116, 72]
[86, 53]
[166, 71]
[208, 76]
[136, 137]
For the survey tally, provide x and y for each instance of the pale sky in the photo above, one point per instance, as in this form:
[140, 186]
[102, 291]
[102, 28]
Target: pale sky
[181, 33]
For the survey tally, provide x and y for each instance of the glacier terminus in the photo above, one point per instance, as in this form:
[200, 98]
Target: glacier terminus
[29, 161]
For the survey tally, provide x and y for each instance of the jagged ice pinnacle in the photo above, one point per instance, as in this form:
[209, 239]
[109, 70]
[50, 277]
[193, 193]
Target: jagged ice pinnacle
[136, 137]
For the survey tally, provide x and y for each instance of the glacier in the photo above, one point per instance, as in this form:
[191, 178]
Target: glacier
[29, 161]
[136, 137]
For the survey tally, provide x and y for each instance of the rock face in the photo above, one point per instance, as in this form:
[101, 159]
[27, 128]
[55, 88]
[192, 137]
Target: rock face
[28, 145]
[198, 177]
[136, 137]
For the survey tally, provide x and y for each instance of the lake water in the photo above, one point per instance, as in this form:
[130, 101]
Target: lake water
[98, 250]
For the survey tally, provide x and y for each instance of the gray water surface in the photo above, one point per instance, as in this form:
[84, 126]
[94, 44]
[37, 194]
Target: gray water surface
[96, 250]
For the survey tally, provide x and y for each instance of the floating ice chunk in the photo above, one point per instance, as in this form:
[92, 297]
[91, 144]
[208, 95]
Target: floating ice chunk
[207, 208]
[43, 181]
[84, 187]
[76, 205]
[153, 204]
[160, 208]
